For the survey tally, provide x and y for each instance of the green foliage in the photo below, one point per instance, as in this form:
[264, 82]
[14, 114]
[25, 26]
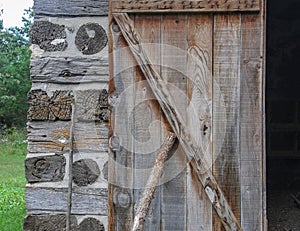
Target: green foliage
[14, 73]
[13, 149]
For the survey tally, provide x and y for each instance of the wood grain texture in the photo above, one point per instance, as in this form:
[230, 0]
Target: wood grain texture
[53, 137]
[173, 68]
[137, 6]
[70, 8]
[252, 214]
[145, 201]
[44, 107]
[48, 36]
[91, 105]
[121, 131]
[160, 89]
[48, 222]
[148, 125]
[227, 43]
[91, 224]
[199, 114]
[54, 200]
[45, 168]
[111, 176]
[90, 38]
[69, 69]
[85, 172]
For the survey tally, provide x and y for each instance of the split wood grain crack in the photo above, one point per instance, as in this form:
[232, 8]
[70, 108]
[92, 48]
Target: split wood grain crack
[163, 96]
[71, 152]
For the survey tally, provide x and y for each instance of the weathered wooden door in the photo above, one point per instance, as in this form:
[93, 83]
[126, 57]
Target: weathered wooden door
[194, 68]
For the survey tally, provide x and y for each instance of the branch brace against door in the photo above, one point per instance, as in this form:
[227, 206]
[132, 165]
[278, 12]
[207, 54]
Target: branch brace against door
[163, 96]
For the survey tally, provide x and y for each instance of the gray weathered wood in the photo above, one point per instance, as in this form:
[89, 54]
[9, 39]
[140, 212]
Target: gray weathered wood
[45, 137]
[91, 105]
[49, 137]
[146, 114]
[138, 6]
[70, 169]
[226, 152]
[177, 123]
[54, 200]
[69, 69]
[199, 114]
[45, 168]
[70, 8]
[173, 38]
[152, 183]
[252, 214]
[121, 136]
[48, 222]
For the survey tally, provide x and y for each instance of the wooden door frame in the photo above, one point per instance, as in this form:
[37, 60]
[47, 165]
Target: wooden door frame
[123, 7]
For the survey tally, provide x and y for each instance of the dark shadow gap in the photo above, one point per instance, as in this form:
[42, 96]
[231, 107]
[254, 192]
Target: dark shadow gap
[283, 114]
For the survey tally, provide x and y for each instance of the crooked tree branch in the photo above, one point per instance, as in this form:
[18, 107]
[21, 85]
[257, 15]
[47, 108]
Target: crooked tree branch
[152, 182]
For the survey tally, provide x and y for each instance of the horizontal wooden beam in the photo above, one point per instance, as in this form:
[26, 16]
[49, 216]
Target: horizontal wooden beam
[84, 200]
[70, 8]
[158, 6]
[53, 137]
[69, 69]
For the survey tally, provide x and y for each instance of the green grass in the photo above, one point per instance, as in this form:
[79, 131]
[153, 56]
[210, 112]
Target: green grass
[12, 180]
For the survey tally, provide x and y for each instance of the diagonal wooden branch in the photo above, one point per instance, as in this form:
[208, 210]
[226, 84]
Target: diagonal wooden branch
[152, 182]
[162, 94]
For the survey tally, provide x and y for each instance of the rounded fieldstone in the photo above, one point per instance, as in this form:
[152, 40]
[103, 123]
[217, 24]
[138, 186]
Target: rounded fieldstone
[91, 38]
[85, 172]
[91, 224]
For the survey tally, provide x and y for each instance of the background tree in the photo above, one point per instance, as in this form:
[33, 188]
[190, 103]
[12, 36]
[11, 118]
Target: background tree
[14, 73]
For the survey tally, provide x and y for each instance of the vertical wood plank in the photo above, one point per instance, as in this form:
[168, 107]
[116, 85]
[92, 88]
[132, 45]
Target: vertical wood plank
[226, 88]
[111, 175]
[147, 118]
[251, 124]
[199, 92]
[121, 88]
[173, 59]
